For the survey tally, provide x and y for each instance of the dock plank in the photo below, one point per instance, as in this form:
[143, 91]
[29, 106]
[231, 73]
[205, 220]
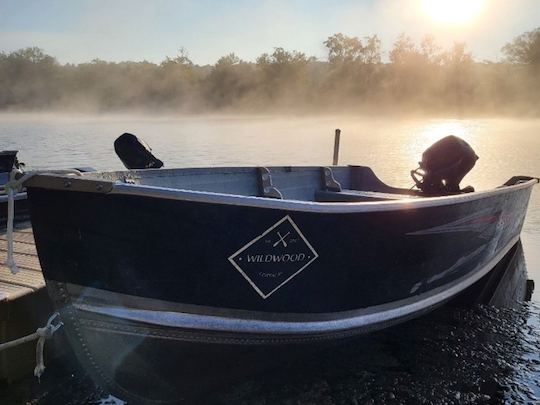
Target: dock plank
[18, 247]
[10, 292]
[29, 279]
[29, 262]
[24, 278]
[19, 236]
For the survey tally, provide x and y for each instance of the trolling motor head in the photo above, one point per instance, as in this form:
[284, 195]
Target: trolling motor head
[443, 166]
[135, 153]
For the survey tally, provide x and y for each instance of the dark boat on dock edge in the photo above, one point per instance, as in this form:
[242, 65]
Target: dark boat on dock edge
[8, 162]
[165, 277]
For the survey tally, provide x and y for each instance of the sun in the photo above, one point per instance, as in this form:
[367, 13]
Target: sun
[452, 11]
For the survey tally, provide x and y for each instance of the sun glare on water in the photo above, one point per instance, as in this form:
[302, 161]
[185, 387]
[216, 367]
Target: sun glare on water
[452, 11]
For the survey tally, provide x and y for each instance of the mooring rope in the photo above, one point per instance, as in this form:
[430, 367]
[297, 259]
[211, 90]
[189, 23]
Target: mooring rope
[41, 334]
[13, 186]
[17, 178]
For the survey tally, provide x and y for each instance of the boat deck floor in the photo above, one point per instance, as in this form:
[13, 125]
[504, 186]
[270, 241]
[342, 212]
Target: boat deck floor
[29, 279]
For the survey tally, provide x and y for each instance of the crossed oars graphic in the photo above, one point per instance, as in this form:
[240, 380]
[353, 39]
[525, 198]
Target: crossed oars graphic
[282, 239]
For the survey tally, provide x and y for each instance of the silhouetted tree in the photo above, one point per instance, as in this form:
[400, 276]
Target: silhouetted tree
[352, 64]
[343, 49]
[430, 50]
[346, 50]
[176, 79]
[28, 77]
[457, 56]
[459, 80]
[404, 52]
[283, 71]
[408, 77]
[524, 48]
[372, 50]
[229, 82]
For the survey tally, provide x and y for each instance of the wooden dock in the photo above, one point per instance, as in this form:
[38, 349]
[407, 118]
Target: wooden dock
[29, 278]
[24, 303]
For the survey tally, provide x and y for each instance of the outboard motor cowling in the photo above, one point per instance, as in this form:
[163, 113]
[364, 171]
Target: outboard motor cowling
[8, 160]
[443, 166]
[135, 153]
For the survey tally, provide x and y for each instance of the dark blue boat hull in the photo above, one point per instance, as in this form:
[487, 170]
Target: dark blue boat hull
[165, 297]
[178, 251]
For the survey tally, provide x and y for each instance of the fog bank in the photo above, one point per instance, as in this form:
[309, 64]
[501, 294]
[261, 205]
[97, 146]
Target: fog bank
[419, 78]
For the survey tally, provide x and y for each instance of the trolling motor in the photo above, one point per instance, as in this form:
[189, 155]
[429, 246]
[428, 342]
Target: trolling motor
[443, 166]
[135, 153]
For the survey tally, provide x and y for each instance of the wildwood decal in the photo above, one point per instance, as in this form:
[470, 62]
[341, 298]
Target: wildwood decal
[284, 258]
[274, 258]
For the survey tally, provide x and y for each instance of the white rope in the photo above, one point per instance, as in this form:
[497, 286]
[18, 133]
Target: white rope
[41, 334]
[14, 185]
[44, 333]
[17, 178]
[10, 261]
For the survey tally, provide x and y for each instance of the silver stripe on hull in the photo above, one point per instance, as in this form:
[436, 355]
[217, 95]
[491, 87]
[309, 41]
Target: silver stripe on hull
[365, 319]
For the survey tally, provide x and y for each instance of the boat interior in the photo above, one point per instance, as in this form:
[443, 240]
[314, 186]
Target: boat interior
[320, 184]
[442, 168]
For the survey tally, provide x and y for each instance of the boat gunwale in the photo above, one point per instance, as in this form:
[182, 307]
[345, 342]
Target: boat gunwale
[48, 180]
[308, 206]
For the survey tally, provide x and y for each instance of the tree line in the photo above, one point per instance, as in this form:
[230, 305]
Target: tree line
[416, 76]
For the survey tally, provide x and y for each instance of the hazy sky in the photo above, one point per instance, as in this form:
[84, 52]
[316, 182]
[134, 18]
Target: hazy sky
[81, 30]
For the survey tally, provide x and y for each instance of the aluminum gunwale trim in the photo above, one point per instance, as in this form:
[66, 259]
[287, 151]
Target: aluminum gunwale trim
[307, 206]
[365, 318]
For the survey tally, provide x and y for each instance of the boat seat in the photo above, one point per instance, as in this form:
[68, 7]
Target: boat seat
[357, 196]
[266, 184]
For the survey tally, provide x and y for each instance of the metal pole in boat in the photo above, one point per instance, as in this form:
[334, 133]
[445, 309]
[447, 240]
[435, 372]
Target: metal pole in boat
[336, 147]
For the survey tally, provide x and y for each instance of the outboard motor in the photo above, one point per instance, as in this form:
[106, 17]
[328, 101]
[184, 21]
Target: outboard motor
[135, 153]
[8, 160]
[443, 166]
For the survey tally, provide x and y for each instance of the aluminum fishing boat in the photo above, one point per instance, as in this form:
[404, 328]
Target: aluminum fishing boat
[163, 276]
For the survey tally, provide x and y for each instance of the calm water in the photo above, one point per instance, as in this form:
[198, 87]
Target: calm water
[392, 147]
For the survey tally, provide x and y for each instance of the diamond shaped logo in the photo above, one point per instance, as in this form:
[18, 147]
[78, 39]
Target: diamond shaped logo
[275, 257]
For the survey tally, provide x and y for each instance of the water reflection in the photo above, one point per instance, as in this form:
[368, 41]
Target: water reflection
[431, 132]
[487, 354]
